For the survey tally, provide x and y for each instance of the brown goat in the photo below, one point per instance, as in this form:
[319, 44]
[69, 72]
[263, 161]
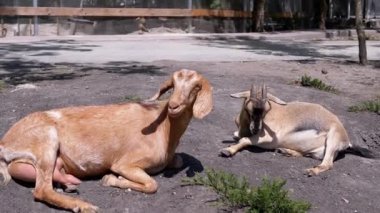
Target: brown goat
[294, 129]
[124, 142]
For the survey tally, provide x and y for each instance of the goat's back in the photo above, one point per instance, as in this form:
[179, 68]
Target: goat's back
[298, 116]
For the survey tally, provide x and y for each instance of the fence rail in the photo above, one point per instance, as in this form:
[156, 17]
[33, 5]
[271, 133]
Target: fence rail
[120, 12]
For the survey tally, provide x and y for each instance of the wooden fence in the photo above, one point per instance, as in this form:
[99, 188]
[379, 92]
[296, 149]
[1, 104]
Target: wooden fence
[120, 12]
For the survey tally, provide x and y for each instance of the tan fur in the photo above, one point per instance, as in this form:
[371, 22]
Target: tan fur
[294, 129]
[130, 140]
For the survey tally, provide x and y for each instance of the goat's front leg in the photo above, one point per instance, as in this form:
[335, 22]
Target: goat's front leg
[131, 177]
[229, 151]
[289, 152]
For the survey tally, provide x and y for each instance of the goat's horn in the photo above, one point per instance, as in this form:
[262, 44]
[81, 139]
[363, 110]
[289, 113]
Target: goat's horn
[275, 99]
[253, 91]
[264, 92]
[244, 94]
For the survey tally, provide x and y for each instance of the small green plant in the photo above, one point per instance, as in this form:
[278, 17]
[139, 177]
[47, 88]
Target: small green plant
[134, 98]
[236, 192]
[370, 106]
[3, 85]
[308, 81]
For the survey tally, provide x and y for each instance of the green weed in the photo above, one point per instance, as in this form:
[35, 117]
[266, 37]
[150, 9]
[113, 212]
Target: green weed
[3, 85]
[370, 106]
[236, 192]
[132, 98]
[308, 81]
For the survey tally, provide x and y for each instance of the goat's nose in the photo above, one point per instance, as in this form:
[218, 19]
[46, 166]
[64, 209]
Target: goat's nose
[173, 106]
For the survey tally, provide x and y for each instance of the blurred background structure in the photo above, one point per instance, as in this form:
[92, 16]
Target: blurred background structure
[105, 17]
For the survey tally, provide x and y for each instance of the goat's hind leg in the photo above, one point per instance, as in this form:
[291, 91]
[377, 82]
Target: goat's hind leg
[44, 166]
[335, 142]
[44, 190]
[25, 171]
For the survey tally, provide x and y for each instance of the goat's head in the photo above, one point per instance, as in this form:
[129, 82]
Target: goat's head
[254, 105]
[190, 89]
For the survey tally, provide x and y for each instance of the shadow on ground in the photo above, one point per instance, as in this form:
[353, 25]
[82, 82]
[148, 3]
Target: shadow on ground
[48, 47]
[266, 47]
[17, 71]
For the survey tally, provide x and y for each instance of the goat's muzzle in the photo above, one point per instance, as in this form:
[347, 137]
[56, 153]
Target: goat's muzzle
[175, 110]
[256, 121]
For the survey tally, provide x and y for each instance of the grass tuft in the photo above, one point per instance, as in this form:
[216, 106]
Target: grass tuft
[370, 106]
[308, 81]
[236, 192]
[3, 85]
[132, 98]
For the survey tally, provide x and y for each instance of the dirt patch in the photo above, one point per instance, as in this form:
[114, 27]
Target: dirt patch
[353, 185]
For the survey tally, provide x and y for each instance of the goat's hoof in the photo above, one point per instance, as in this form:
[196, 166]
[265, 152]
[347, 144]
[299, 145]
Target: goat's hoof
[108, 180]
[236, 136]
[225, 153]
[70, 188]
[87, 208]
[311, 172]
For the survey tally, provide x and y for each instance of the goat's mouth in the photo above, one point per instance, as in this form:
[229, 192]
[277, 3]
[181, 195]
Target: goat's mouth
[176, 111]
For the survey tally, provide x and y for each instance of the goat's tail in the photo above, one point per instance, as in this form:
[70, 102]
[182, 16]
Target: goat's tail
[364, 152]
[5, 177]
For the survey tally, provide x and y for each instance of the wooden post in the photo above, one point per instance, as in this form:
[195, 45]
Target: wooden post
[58, 27]
[360, 32]
[30, 27]
[35, 4]
[190, 19]
[58, 3]
[75, 23]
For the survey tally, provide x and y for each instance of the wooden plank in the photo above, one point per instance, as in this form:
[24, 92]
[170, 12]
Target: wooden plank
[220, 13]
[104, 12]
[287, 15]
[119, 12]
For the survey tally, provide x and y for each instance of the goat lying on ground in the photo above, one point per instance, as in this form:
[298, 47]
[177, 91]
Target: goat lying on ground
[125, 142]
[293, 129]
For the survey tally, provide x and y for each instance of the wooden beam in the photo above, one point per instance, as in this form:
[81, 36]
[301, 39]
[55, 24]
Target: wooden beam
[220, 13]
[287, 15]
[119, 12]
[105, 12]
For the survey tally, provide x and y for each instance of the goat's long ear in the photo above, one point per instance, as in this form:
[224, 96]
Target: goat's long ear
[275, 99]
[204, 103]
[244, 94]
[168, 84]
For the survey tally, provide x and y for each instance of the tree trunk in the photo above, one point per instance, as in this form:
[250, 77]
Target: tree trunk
[322, 18]
[360, 32]
[258, 15]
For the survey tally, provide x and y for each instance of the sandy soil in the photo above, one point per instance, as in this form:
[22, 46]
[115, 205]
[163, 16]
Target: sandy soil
[352, 186]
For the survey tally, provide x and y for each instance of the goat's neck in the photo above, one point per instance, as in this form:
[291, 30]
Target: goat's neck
[178, 126]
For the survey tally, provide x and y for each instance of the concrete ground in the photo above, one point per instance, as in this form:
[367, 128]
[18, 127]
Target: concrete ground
[95, 70]
[182, 47]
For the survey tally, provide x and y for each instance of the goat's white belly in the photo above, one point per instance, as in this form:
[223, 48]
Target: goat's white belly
[308, 142]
